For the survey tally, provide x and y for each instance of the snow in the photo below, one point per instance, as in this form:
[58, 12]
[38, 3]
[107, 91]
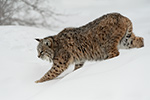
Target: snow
[126, 77]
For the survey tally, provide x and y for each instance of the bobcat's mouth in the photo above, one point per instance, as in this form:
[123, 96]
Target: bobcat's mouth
[46, 56]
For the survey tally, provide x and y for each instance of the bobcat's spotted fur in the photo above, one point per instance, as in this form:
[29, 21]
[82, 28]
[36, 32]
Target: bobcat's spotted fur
[98, 40]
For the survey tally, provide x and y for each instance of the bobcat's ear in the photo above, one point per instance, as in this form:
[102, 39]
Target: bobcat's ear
[39, 40]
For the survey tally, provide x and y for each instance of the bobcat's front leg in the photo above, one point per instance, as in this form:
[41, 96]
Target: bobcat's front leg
[60, 63]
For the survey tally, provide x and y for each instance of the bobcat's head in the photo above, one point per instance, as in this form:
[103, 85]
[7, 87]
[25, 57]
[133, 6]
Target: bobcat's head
[45, 50]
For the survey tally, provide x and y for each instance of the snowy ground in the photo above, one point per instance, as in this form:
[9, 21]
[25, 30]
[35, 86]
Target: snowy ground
[126, 77]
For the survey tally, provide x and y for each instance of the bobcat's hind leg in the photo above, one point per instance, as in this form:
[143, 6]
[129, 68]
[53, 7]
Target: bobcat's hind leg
[131, 41]
[60, 64]
[79, 65]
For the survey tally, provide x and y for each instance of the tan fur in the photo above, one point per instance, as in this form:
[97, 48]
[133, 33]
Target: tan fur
[98, 40]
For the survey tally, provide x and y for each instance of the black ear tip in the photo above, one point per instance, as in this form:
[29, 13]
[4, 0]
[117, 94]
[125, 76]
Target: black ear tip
[38, 39]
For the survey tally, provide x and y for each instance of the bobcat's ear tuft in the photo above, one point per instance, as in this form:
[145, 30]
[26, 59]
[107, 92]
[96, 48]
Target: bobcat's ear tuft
[39, 40]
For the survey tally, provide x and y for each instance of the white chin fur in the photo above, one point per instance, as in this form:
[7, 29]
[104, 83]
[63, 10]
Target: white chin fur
[46, 58]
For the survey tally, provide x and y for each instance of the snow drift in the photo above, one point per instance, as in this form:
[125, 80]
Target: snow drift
[126, 77]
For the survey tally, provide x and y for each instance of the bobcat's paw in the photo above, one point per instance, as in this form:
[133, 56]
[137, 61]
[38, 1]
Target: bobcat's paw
[38, 81]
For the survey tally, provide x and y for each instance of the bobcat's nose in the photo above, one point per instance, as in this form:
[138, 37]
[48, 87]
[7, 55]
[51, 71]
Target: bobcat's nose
[38, 56]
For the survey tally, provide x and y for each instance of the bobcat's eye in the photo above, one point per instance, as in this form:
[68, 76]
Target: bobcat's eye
[41, 52]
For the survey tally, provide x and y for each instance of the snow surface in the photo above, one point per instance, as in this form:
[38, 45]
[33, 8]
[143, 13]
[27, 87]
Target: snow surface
[126, 77]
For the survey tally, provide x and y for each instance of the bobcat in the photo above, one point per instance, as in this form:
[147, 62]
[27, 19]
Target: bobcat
[98, 40]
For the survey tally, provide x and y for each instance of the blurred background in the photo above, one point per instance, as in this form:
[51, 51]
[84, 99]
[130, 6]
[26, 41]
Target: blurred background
[58, 14]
